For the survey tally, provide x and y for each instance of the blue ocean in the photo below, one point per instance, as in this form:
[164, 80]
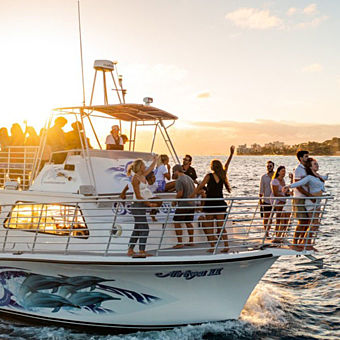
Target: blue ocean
[292, 301]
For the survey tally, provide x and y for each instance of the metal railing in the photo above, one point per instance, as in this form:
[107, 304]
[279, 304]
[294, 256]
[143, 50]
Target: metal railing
[189, 227]
[17, 164]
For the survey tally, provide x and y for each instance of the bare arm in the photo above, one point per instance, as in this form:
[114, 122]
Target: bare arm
[226, 165]
[302, 190]
[261, 193]
[275, 190]
[123, 193]
[179, 194]
[201, 185]
[151, 167]
[167, 175]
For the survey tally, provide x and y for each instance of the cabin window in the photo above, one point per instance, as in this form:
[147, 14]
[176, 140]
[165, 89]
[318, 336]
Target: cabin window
[56, 219]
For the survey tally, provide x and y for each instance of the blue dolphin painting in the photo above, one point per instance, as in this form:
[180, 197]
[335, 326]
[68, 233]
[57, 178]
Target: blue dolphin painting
[46, 300]
[36, 282]
[82, 299]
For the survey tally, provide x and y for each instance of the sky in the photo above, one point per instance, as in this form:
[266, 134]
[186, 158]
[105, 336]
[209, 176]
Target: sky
[234, 72]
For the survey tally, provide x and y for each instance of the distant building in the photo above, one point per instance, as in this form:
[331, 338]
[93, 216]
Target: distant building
[256, 147]
[242, 149]
[275, 145]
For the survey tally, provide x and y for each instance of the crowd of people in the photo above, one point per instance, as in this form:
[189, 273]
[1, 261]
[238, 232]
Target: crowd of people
[18, 136]
[56, 138]
[306, 183]
[147, 182]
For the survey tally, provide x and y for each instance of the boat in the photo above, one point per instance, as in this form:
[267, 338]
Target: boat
[64, 234]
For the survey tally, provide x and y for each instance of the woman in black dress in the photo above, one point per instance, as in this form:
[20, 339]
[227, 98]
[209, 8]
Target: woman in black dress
[215, 210]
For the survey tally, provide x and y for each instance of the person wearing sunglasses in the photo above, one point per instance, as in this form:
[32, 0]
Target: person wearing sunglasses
[188, 169]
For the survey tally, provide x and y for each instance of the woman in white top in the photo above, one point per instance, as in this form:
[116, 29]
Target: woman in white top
[278, 201]
[162, 173]
[316, 186]
[141, 191]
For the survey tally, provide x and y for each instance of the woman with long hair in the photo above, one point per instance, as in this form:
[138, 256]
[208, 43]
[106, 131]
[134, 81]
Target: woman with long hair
[162, 173]
[215, 210]
[278, 201]
[141, 192]
[316, 186]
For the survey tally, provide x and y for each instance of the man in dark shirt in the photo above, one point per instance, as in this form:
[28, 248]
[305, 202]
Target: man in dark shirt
[188, 169]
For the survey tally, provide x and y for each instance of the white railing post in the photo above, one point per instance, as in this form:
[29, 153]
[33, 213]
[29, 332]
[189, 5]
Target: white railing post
[223, 226]
[164, 225]
[37, 227]
[71, 229]
[113, 223]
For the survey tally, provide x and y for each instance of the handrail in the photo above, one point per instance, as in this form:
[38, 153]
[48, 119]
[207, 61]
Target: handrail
[85, 227]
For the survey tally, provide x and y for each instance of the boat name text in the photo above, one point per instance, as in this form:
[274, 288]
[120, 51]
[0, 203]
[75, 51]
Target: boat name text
[189, 274]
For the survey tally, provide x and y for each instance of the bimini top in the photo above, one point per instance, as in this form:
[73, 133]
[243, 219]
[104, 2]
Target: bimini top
[126, 112]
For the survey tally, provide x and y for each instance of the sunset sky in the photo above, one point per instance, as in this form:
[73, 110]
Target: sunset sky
[257, 71]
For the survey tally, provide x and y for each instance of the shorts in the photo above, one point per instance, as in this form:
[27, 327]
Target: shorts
[160, 186]
[300, 208]
[184, 214]
[313, 206]
[265, 207]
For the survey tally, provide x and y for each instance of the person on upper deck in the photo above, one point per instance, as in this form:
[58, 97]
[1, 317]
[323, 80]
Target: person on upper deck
[75, 138]
[188, 169]
[56, 141]
[115, 141]
[32, 139]
[56, 135]
[216, 210]
[17, 135]
[4, 139]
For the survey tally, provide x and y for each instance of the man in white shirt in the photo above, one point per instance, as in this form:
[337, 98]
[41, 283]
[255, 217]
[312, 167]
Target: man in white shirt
[299, 202]
[265, 194]
[115, 141]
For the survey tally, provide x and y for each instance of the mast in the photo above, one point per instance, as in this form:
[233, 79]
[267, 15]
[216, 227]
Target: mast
[81, 53]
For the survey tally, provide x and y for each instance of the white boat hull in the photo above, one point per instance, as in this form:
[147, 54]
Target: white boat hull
[137, 294]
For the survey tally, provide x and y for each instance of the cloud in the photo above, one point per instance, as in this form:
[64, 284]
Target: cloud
[313, 23]
[204, 95]
[310, 9]
[253, 18]
[291, 11]
[312, 68]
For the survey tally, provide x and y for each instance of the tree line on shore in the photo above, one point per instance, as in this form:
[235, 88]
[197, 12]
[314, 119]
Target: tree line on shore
[327, 148]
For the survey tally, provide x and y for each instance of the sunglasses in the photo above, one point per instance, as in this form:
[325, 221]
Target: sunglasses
[186, 159]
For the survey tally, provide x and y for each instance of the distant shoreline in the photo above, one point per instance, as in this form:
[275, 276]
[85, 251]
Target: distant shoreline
[274, 154]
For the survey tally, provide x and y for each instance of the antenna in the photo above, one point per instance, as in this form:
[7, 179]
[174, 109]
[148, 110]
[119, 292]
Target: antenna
[81, 53]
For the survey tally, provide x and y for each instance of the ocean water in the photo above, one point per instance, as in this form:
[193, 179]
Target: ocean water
[292, 301]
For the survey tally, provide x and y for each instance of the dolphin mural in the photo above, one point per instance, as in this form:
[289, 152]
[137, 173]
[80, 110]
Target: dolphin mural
[46, 300]
[56, 292]
[82, 299]
[36, 282]
[73, 284]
